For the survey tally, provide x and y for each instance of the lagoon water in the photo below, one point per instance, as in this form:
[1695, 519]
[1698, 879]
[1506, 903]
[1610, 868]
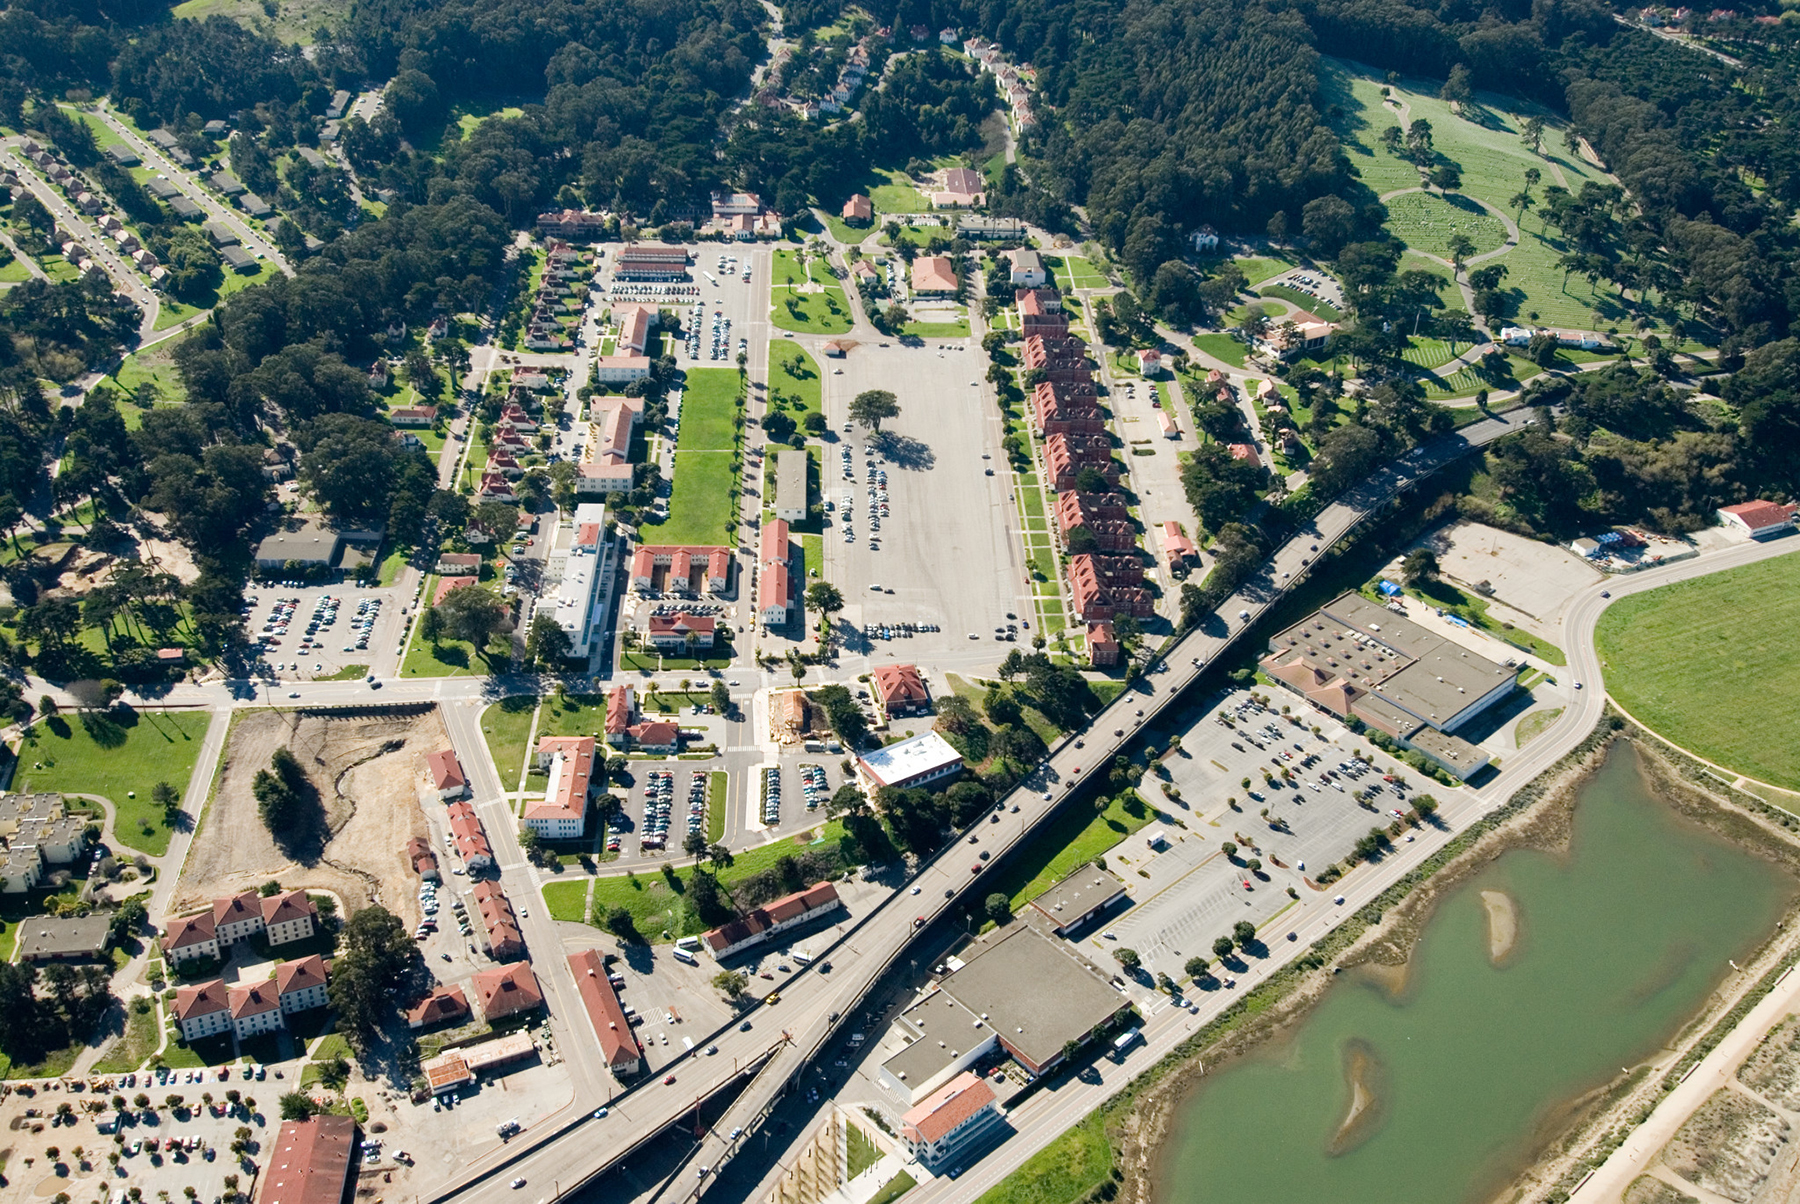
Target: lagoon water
[1436, 1089]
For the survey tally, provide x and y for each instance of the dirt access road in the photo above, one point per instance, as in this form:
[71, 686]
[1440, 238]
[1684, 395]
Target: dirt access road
[368, 770]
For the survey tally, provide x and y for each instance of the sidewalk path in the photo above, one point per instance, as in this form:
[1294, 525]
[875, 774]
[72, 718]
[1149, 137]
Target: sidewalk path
[1714, 1071]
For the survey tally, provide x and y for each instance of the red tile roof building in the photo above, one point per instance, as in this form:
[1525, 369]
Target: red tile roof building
[288, 916]
[774, 584]
[1066, 455]
[469, 837]
[618, 1044]
[202, 1009]
[1103, 515]
[445, 1005]
[562, 813]
[641, 261]
[1758, 518]
[899, 690]
[656, 735]
[621, 704]
[500, 922]
[1179, 548]
[310, 1162]
[1103, 587]
[1103, 645]
[635, 324]
[507, 991]
[947, 1121]
[669, 633]
[761, 923]
[933, 274]
[255, 1009]
[300, 984]
[422, 859]
[189, 938]
[1068, 409]
[446, 773]
[237, 917]
[1062, 361]
[689, 569]
[858, 209]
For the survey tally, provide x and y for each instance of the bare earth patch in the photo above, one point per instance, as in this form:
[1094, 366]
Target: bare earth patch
[1503, 923]
[1773, 1069]
[1728, 1145]
[368, 771]
[1647, 1189]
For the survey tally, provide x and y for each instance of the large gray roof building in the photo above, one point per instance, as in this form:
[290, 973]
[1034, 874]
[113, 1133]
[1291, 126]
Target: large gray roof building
[1356, 658]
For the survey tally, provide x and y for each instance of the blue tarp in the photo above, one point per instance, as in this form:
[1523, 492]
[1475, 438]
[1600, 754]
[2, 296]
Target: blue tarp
[1388, 588]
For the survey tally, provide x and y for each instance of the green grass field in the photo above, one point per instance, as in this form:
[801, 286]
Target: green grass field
[116, 756]
[897, 195]
[657, 907]
[702, 501]
[506, 726]
[135, 1044]
[1493, 161]
[825, 312]
[1691, 660]
[567, 900]
[154, 366]
[453, 658]
[1067, 1169]
[1257, 269]
[173, 313]
[709, 408]
[716, 785]
[958, 329]
[1075, 837]
[1312, 305]
[704, 491]
[796, 374]
[297, 20]
[862, 1152]
[1222, 347]
[1428, 222]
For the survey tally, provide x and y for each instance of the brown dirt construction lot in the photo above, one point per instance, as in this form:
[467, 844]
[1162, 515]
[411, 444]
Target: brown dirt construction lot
[368, 770]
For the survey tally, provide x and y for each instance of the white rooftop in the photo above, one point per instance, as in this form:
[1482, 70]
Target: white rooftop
[580, 592]
[910, 758]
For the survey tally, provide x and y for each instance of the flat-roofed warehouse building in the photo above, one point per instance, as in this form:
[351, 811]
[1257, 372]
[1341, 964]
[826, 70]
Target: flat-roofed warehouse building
[1020, 991]
[790, 486]
[1078, 898]
[1357, 659]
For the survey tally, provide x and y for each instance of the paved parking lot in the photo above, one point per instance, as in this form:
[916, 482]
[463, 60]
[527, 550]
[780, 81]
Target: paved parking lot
[744, 304]
[1188, 894]
[949, 550]
[467, 1127]
[334, 644]
[1313, 283]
